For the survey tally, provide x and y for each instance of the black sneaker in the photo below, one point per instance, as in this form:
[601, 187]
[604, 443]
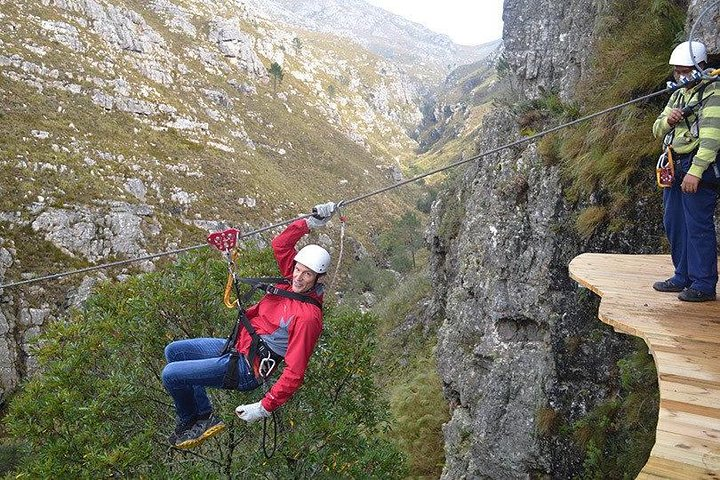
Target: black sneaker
[201, 431]
[667, 286]
[180, 428]
[692, 295]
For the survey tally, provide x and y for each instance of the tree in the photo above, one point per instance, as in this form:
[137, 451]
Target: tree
[404, 238]
[331, 90]
[297, 44]
[98, 409]
[276, 71]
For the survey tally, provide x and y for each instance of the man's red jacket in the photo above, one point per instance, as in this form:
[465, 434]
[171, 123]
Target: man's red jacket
[290, 327]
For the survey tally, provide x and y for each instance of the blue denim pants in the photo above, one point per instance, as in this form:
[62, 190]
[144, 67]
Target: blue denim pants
[195, 364]
[689, 220]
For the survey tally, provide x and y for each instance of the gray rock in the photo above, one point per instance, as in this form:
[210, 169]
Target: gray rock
[154, 70]
[234, 43]
[187, 124]
[103, 100]
[137, 188]
[501, 243]
[176, 17]
[75, 298]
[547, 43]
[6, 261]
[706, 29]
[65, 34]
[118, 26]
[139, 107]
[94, 234]
[30, 317]
[9, 377]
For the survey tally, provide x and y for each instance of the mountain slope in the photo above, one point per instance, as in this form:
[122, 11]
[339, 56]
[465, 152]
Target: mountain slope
[423, 53]
[132, 127]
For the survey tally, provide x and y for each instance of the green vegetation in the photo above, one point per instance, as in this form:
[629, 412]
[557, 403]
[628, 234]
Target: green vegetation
[399, 244]
[612, 153]
[297, 45]
[410, 377]
[616, 436]
[98, 409]
[419, 411]
[276, 72]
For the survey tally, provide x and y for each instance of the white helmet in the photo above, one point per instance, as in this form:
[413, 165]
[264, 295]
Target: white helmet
[314, 257]
[681, 55]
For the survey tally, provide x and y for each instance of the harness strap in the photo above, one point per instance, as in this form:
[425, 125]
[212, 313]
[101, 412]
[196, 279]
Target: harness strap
[267, 284]
[267, 359]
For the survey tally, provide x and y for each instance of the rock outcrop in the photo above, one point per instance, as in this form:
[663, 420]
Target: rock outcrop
[518, 337]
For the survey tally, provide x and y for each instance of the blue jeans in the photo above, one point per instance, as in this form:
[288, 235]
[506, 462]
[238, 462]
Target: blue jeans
[195, 364]
[689, 220]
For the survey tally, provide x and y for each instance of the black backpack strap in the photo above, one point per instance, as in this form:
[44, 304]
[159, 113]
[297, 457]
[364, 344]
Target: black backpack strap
[267, 284]
[273, 290]
[258, 348]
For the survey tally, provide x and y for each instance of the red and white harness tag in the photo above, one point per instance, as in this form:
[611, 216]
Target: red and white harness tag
[225, 240]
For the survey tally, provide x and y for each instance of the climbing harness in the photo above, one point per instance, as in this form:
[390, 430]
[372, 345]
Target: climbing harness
[665, 167]
[261, 359]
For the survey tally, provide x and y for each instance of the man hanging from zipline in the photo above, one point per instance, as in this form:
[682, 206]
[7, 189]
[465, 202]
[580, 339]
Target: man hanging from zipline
[286, 323]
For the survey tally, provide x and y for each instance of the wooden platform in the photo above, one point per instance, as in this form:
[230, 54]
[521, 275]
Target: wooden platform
[684, 340]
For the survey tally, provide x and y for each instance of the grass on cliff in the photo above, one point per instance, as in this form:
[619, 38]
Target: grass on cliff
[410, 378]
[612, 157]
[616, 436]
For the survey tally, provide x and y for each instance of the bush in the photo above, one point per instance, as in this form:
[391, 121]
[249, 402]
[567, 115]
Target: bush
[630, 60]
[98, 408]
[420, 410]
[617, 436]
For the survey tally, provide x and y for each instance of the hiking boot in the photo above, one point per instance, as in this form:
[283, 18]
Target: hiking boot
[667, 286]
[180, 428]
[692, 295]
[201, 431]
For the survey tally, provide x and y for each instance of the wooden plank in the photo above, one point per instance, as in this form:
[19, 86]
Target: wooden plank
[670, 469]
[673, 343]
[685, 423]
[683, 339]
[688, 450]
[695, 409]
[690, 367]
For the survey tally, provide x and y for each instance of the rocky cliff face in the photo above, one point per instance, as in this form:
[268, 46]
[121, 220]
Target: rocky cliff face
[547, 43]
[517, 336]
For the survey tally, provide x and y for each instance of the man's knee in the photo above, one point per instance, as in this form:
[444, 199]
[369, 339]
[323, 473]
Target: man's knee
[173, 351]
[169, 375]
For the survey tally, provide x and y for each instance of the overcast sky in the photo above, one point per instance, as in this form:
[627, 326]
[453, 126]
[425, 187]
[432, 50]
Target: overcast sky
[466, 22]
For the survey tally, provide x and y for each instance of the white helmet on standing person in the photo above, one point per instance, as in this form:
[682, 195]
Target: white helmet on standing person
[315, 257]
[681, 57]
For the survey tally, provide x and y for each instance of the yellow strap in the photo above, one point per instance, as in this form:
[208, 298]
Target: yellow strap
[229, 285]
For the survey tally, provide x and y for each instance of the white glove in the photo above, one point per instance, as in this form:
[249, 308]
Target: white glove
[321, 214]
[251, 412]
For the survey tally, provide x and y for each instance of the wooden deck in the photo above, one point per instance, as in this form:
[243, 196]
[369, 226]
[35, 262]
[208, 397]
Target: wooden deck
[684, 340]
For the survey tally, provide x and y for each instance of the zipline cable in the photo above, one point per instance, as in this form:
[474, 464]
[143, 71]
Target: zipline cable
[668, 89]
